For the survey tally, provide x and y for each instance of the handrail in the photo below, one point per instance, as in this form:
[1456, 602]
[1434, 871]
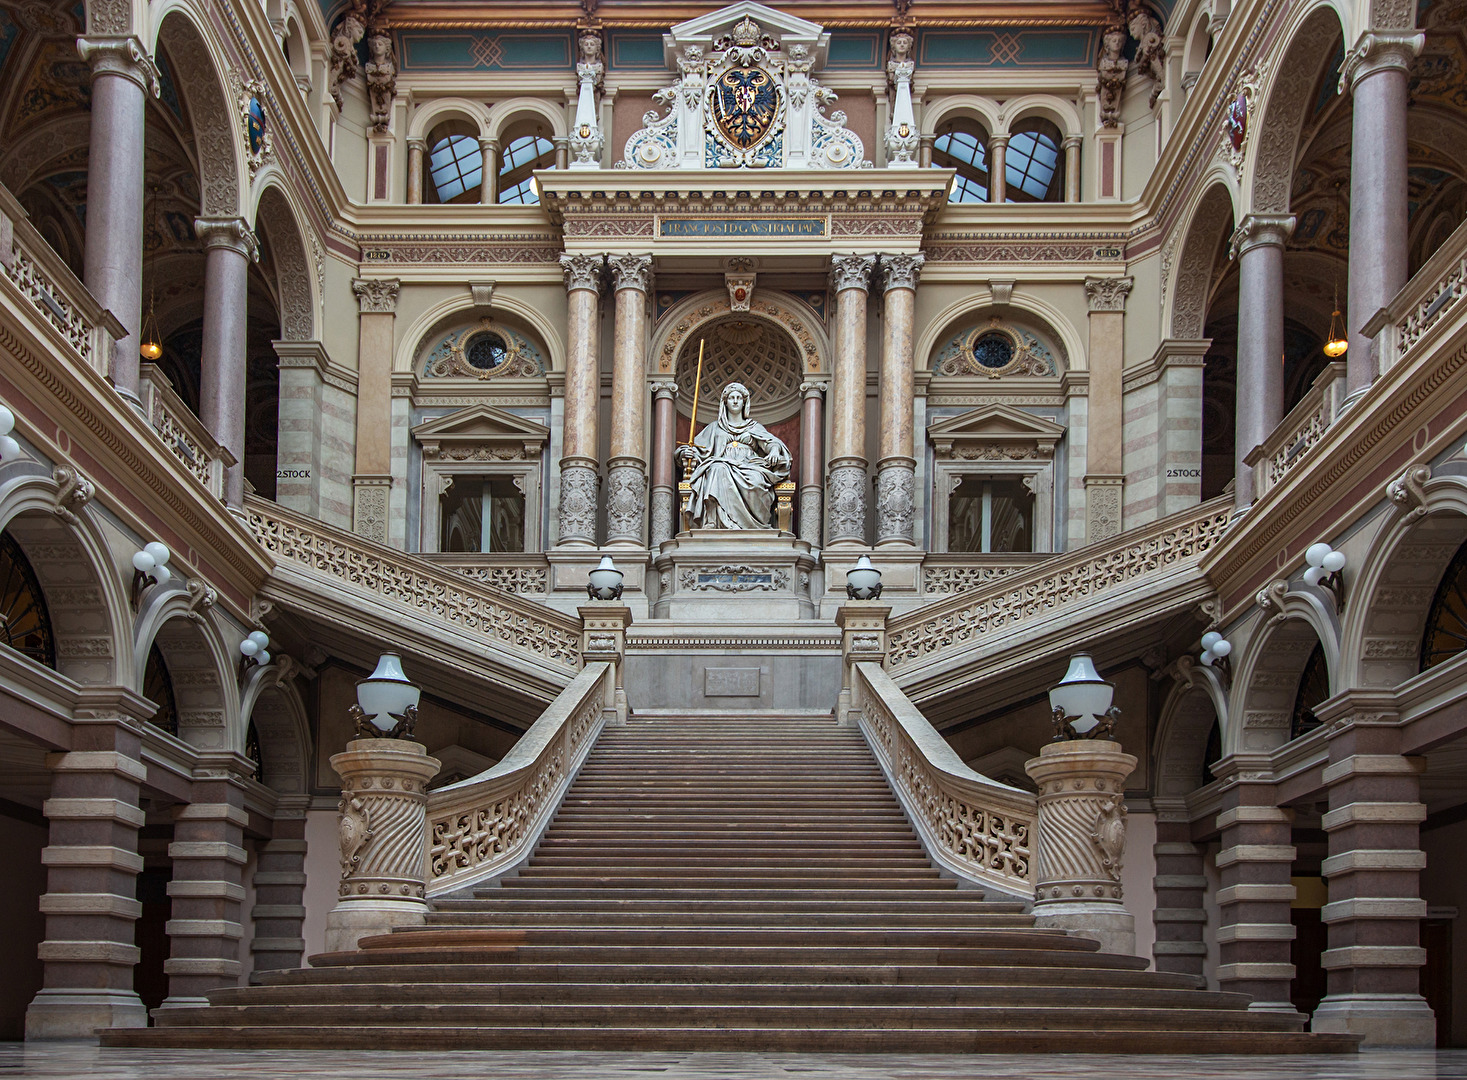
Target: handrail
[974, 827]
[522, 625]
[527, 574]
[480, 827]
[1434, 292]
[181, 431]
[1304, 426]
[1056, 583]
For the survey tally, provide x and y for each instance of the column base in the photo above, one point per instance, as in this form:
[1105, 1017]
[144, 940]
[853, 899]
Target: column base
[77, 1014]
[1110, 924]
[353, 920]
[1399, 1021]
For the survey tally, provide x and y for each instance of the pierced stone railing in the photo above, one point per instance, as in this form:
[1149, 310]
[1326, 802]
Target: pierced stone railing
[1432, 297]
[43, 280]
[480, 827]
[527, 574]
[1121, 562]
[529, 628]
[977, 828]
[1305, 425]
[181, 431]
[945, 574]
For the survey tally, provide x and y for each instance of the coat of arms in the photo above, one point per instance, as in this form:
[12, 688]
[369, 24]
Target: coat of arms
[744, 105]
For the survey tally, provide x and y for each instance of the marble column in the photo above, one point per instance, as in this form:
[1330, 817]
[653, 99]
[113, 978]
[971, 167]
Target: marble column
[207, 888]
[1374, 959]
[850, 280]
[1105, 474]
[122, 75]
[489, 187]
[1376, 71]
[664, 483]
[229, 248]
[578, 462]
[1259, 248]
[998, 152]
[372, 479]
[416, 149]
[1072, 167]
[626, 469]
[812, 468]
[92, 863]
[1255, 865]
[279, 913]
[896, 483]
[924, 151]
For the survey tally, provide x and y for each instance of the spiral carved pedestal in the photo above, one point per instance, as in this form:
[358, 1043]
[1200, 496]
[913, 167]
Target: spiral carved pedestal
[1082, 840]
[383, 819]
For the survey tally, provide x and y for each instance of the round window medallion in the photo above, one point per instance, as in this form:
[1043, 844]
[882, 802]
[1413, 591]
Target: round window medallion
[486, 351]
[994, 350]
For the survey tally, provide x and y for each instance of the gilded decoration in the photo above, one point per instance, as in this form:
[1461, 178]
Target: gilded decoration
[995, 349]
[486, 350]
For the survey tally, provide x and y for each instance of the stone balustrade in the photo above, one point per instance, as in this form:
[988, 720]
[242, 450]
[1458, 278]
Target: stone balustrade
[1304, 426]
[1430, 300]
[945, 574]
[485, 825]
[527, 574]
[182, 432]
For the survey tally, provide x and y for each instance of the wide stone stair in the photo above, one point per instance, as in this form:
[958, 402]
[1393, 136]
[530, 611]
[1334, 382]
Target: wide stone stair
[729, 884]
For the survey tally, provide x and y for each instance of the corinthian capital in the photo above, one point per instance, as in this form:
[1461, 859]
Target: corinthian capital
[901, 271]
[851, 272]
[123, 56]
[232, 233]
[631, 272]
[1380, 50]
[376, 296]
[1108, 293]
[1261, 230]
[582, 271]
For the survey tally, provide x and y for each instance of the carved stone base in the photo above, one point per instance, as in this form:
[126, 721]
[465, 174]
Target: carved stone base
[1397, 1021]
[734, 574]
[846, 503]
[626, 505]
[1103, 507]
[662, 516]
[370, 498]
[577, 521]
[896, 490]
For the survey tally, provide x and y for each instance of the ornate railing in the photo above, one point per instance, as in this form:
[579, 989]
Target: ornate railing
[975, 827]
[181, 431]
[483, 826]
[1056, 583]
[44, 280]
[944, 574]
[1432, 296]
[528, 574]
[1305, 425]
[390, 575]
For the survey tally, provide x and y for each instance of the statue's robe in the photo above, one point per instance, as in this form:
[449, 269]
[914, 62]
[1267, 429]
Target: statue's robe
[733, 486]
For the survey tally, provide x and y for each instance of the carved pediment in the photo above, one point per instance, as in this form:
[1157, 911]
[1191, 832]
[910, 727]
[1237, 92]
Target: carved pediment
[481, 433]
[993, 431]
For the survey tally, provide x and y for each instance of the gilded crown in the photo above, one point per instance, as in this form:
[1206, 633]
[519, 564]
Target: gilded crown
[747, 33]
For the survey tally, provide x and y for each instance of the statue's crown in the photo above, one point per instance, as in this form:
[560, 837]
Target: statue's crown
[746, 33]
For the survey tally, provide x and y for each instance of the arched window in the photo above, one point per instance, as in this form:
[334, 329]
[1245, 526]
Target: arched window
[158, 688]
[1034, 164]
[1313, 688]
[520, 157]
[455, 164]
[25, 624]
[963, 145]
[1446, 622]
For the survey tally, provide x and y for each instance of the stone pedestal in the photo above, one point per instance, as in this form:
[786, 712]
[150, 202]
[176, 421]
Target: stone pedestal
[381, 828]
[1082, 838]
[604, 638]
[741, 575]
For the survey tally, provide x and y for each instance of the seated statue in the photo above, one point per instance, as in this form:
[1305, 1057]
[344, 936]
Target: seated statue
[736, 464]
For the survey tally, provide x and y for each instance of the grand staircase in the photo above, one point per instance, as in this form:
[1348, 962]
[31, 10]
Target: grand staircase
[729, 884]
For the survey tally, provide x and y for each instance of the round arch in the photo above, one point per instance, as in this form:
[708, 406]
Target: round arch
[1267, 674]
[682, 321]
[199, 667]
[276, 214]
[442, 313]
[502, 114]
[432, 113]
[28, 157]
[946, 322]
[1195, 703]
[1062, 114]
[272, 702]
[1210, 217]
[196, 66]
[982, 109]
[78, 575]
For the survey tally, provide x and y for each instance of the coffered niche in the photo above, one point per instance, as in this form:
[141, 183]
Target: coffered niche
[482, 476]
[993, 481]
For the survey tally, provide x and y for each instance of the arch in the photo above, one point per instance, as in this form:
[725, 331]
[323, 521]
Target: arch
[1059, 112]
[1286, 97]
[982, 109]
[196, 68]
[1391, 595]
[1266, 678]
[1199, 44]
[47, 515]
[430, 114]
[447, 311]
[1212, 217]
[502, 114]
[758, 352]
[1196, 702]
[199, 665]
[28, 156]
[797, 318]
[272, 702]
[1052, 319]
[276, 216]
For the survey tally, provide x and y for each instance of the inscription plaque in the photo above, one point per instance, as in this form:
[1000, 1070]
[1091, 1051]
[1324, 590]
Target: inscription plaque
[731, 682]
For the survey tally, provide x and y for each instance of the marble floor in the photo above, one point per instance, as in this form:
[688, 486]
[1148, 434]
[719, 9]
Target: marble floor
[73, 1061]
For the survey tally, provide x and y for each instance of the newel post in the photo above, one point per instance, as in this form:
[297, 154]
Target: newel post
[1082, 840]
[381, 828]
[862, 641]
[604, 640]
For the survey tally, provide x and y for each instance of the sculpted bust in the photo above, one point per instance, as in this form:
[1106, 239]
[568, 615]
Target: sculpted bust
[736, 464]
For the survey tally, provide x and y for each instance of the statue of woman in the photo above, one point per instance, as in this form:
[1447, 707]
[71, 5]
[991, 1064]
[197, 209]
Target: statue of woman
[737, 463]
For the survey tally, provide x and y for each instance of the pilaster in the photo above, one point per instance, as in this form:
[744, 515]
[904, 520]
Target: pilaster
[372, 477]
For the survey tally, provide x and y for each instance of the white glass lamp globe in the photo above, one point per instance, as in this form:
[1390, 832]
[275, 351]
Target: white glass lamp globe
[248, 647]
[160, 552]
[143, 563]
[1222, 647]
[1082, 694]
[1209, 639]
[386, 694]
[605, 580]
[1314, 554]
[1334, 562]
[863, 579]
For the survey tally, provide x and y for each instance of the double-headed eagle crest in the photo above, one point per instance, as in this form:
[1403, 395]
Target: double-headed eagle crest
[744, 105]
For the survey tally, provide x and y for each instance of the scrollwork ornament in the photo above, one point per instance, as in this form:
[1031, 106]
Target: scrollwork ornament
[625, 503]
[578, 503]
[851, 272]
[895, 497]
[354, 832]
[902, 271]
[847, 492]
[376, 295]
[1408, 492]
[73, 491]
[1109, 293]
[582, 271]
[630, 272]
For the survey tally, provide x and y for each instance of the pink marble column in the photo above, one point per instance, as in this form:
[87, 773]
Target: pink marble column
[626, 474]
[1259, 247]
[812, 439]
[229, 248]
[851, 278]
[896, 467]
[664, 439]
[489, 188]
[1376, 70]
[1072, 168]
[578, 462]
[998, 152]
[122, 74]
[416, 149]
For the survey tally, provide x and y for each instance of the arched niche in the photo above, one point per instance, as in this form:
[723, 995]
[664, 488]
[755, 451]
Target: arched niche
[684, 321]
[272, 703]
[1195, 704]
[1211, 220]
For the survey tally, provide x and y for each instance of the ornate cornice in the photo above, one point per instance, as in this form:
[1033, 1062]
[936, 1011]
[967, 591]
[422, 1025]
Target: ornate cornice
[376, 296]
